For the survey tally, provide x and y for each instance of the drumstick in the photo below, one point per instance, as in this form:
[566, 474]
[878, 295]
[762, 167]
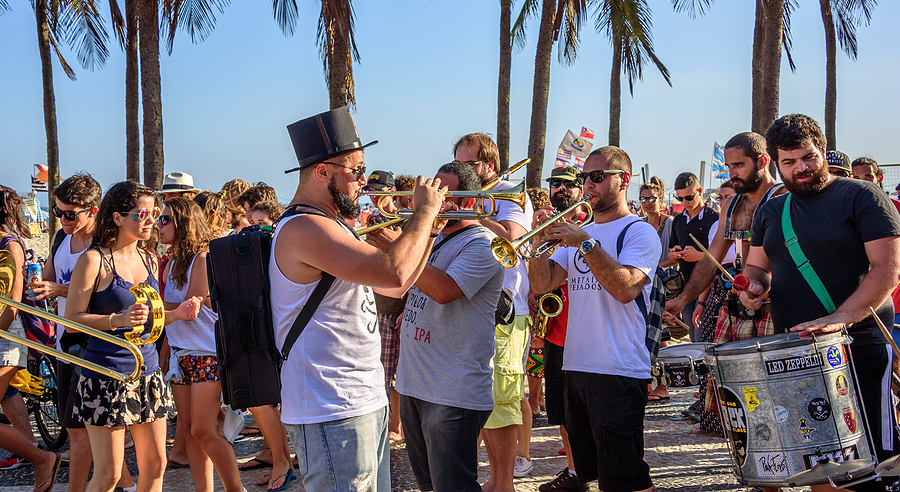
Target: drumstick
[683, 325]
[884, 331]
[739, 282]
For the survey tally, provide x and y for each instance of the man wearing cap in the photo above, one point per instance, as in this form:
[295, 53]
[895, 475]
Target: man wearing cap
[179, 184]
[853, 267]
[510, 222]
[838, 164]
[333, 399]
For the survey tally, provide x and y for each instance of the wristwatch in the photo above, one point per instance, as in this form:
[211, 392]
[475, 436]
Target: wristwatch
[587, 246]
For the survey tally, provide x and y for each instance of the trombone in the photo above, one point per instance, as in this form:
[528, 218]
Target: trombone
[515, 194]
[515, 167]
[7, 276]
[507, 252]
[549, 306]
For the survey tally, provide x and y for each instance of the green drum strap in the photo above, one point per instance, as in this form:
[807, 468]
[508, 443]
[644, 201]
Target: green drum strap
[806, 269]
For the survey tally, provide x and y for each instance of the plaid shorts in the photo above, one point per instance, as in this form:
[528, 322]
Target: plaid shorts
[389, 327]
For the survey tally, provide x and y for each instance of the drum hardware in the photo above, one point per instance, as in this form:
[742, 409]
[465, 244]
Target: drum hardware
[889, 467]
[681, 365]
[830, 470]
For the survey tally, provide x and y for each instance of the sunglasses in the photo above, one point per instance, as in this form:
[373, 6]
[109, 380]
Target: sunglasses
[69, 215]
[556, 183]
[164, 220]
[360, 172]
[648, 199]
[145, 214]
[597, 176]
[686, 198]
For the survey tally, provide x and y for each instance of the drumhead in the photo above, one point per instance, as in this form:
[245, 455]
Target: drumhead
[770, 342]
[695, 351]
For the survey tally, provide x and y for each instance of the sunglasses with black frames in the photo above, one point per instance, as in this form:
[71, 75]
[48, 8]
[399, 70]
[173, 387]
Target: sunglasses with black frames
[597, 176]
[69, 215]
[556, 183]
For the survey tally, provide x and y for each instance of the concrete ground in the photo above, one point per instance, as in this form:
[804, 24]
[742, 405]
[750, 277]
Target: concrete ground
[681, 458]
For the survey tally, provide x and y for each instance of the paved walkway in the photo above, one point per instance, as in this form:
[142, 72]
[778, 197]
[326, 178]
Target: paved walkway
[681, 458]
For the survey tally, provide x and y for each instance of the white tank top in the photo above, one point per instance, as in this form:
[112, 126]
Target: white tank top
[63, 264]
[198, 333]
[334, 369]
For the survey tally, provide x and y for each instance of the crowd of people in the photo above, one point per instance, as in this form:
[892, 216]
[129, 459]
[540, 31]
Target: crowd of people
[423, 337]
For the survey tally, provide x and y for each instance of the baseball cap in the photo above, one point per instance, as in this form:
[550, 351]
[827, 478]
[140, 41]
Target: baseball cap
[565, 173]
[380, 180]
[838, 159]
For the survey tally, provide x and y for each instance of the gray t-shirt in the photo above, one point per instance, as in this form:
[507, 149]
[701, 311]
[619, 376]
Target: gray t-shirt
[446, 350]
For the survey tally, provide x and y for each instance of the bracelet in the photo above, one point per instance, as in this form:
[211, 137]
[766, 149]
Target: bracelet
[109, 320]
[702, 303]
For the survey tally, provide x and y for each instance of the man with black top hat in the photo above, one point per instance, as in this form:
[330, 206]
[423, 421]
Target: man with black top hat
[842, 273]
[333, 398]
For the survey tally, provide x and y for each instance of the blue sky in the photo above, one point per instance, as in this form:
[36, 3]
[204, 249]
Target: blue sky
[429, 75]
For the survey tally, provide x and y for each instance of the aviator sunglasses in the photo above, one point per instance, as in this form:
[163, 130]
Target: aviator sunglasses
[69, 215]
[597, 176]
[648, 199]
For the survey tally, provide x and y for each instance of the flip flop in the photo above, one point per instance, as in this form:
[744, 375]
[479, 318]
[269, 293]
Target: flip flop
[253, 464]
[657, 399]
[250, 431]
[174, 464]
[52, 477]
[288, 477]
[396, 442]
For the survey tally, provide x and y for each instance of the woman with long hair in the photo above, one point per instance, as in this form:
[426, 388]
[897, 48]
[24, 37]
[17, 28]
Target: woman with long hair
[213, 206]
[13, 355]
[122, 255]
[195, 384]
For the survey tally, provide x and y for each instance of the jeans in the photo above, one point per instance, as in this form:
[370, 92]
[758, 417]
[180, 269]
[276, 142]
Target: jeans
[442, 444]
[343, 455]
[688, 314]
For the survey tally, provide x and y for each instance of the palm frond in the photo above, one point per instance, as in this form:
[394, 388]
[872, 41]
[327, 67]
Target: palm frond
[568, 23]
[118, 22]
[87, 34]
[198, 17]
[286, 15]
[845, 28]
[530, 9]
[67, 69]
[337, 17]
[788, 41]
[694, 8]
[4, 6]
[632, 22]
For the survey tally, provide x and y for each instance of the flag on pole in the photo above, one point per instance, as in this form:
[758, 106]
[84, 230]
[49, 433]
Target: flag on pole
[37, 184]
[578, 146]
[42, 173]
[717, 164]
[563, 158]
[579, 163]
[587, 132]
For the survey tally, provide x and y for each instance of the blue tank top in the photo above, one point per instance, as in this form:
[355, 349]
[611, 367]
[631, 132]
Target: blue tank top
[116, 298]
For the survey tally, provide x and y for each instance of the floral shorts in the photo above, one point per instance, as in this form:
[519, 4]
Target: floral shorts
[112, 403]
[198, 369]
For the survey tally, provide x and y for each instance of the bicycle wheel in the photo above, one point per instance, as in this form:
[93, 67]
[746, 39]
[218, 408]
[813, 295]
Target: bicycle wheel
[46, 414]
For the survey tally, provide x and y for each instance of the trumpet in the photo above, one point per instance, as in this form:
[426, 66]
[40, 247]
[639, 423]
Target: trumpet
[507, 252]
[7, 277]
[515, 194]
[396, 221]
[515, 167]
[549, 306]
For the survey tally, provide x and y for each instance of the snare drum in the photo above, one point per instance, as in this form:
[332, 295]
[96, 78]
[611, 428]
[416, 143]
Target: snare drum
[681, 366]
[782, 398]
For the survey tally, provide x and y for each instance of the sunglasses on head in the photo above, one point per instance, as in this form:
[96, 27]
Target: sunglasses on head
[648, 199]
[556, 183]
[69, 215]
[145, 214]
[686, 198]
[164, 220]
[597, 176]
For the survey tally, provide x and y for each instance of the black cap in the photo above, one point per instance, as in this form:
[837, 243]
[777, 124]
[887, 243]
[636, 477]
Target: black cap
[838, 159]
[380, 180]
[323, 136]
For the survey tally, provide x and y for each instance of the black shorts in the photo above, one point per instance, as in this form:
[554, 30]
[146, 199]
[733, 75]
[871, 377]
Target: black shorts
[66, 396]
[605, 422]
[555, 384]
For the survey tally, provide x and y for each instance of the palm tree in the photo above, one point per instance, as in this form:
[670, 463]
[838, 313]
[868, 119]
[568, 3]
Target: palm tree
[504, 84]
[335, 37]
[848, 15]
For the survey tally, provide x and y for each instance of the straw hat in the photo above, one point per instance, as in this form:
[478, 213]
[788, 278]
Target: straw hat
[231, 192]
[178, 183]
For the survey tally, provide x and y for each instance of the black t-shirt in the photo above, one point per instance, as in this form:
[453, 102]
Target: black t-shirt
[832, 227]
[699, 227]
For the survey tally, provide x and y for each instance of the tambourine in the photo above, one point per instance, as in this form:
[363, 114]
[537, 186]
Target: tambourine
[144, 294]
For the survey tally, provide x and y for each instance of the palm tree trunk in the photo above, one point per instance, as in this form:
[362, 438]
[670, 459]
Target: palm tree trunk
[151, 92]
[758, 67]
[830, 75]
[132, 92]
[504, 84]
[615, 91]
[43, 31]
[541, 95]
[338, 64]
[772, 59]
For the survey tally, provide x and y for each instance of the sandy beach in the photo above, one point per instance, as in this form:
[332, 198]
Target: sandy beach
[40, 243]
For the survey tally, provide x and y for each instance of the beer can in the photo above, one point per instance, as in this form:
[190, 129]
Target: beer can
[33, 274]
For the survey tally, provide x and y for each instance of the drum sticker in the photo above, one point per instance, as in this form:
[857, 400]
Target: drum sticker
[834, 455]
[781, 414]
[752, 400]
[762, 432]
[737, 424]
[805, 430]
[819, 409]
[773, 464]
[834, 356]
[791, 364]
[841, 384]
[850, 419]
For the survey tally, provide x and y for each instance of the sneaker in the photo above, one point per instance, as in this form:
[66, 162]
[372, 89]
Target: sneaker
[523, 467]
[13, 462]
[563, 481]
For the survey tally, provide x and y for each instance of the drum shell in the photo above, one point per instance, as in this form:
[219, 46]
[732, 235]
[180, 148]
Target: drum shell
[678, 361]
[795, 395]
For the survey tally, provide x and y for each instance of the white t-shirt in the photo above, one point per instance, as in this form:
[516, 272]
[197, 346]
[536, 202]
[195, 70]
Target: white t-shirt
[334, 369]
[515, 279]
[731, 255]
[605, 336]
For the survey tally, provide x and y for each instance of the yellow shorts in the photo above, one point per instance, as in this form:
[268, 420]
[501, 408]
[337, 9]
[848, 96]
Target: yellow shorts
[509, 381]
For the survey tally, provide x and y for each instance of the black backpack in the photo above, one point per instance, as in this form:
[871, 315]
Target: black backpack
[238, 270]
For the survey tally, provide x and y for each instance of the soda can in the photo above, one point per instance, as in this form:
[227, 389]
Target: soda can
[33, 274]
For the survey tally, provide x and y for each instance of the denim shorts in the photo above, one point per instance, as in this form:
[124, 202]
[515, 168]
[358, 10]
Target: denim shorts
[14, 354]
[345, 454]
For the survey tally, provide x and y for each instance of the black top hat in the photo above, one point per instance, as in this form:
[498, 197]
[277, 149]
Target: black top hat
[324, 135]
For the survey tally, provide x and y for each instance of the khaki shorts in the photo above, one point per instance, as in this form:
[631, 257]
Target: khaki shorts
[509, 381]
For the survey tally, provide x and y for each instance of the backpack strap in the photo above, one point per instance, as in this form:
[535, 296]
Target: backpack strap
[800, 259]
[57, 242]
